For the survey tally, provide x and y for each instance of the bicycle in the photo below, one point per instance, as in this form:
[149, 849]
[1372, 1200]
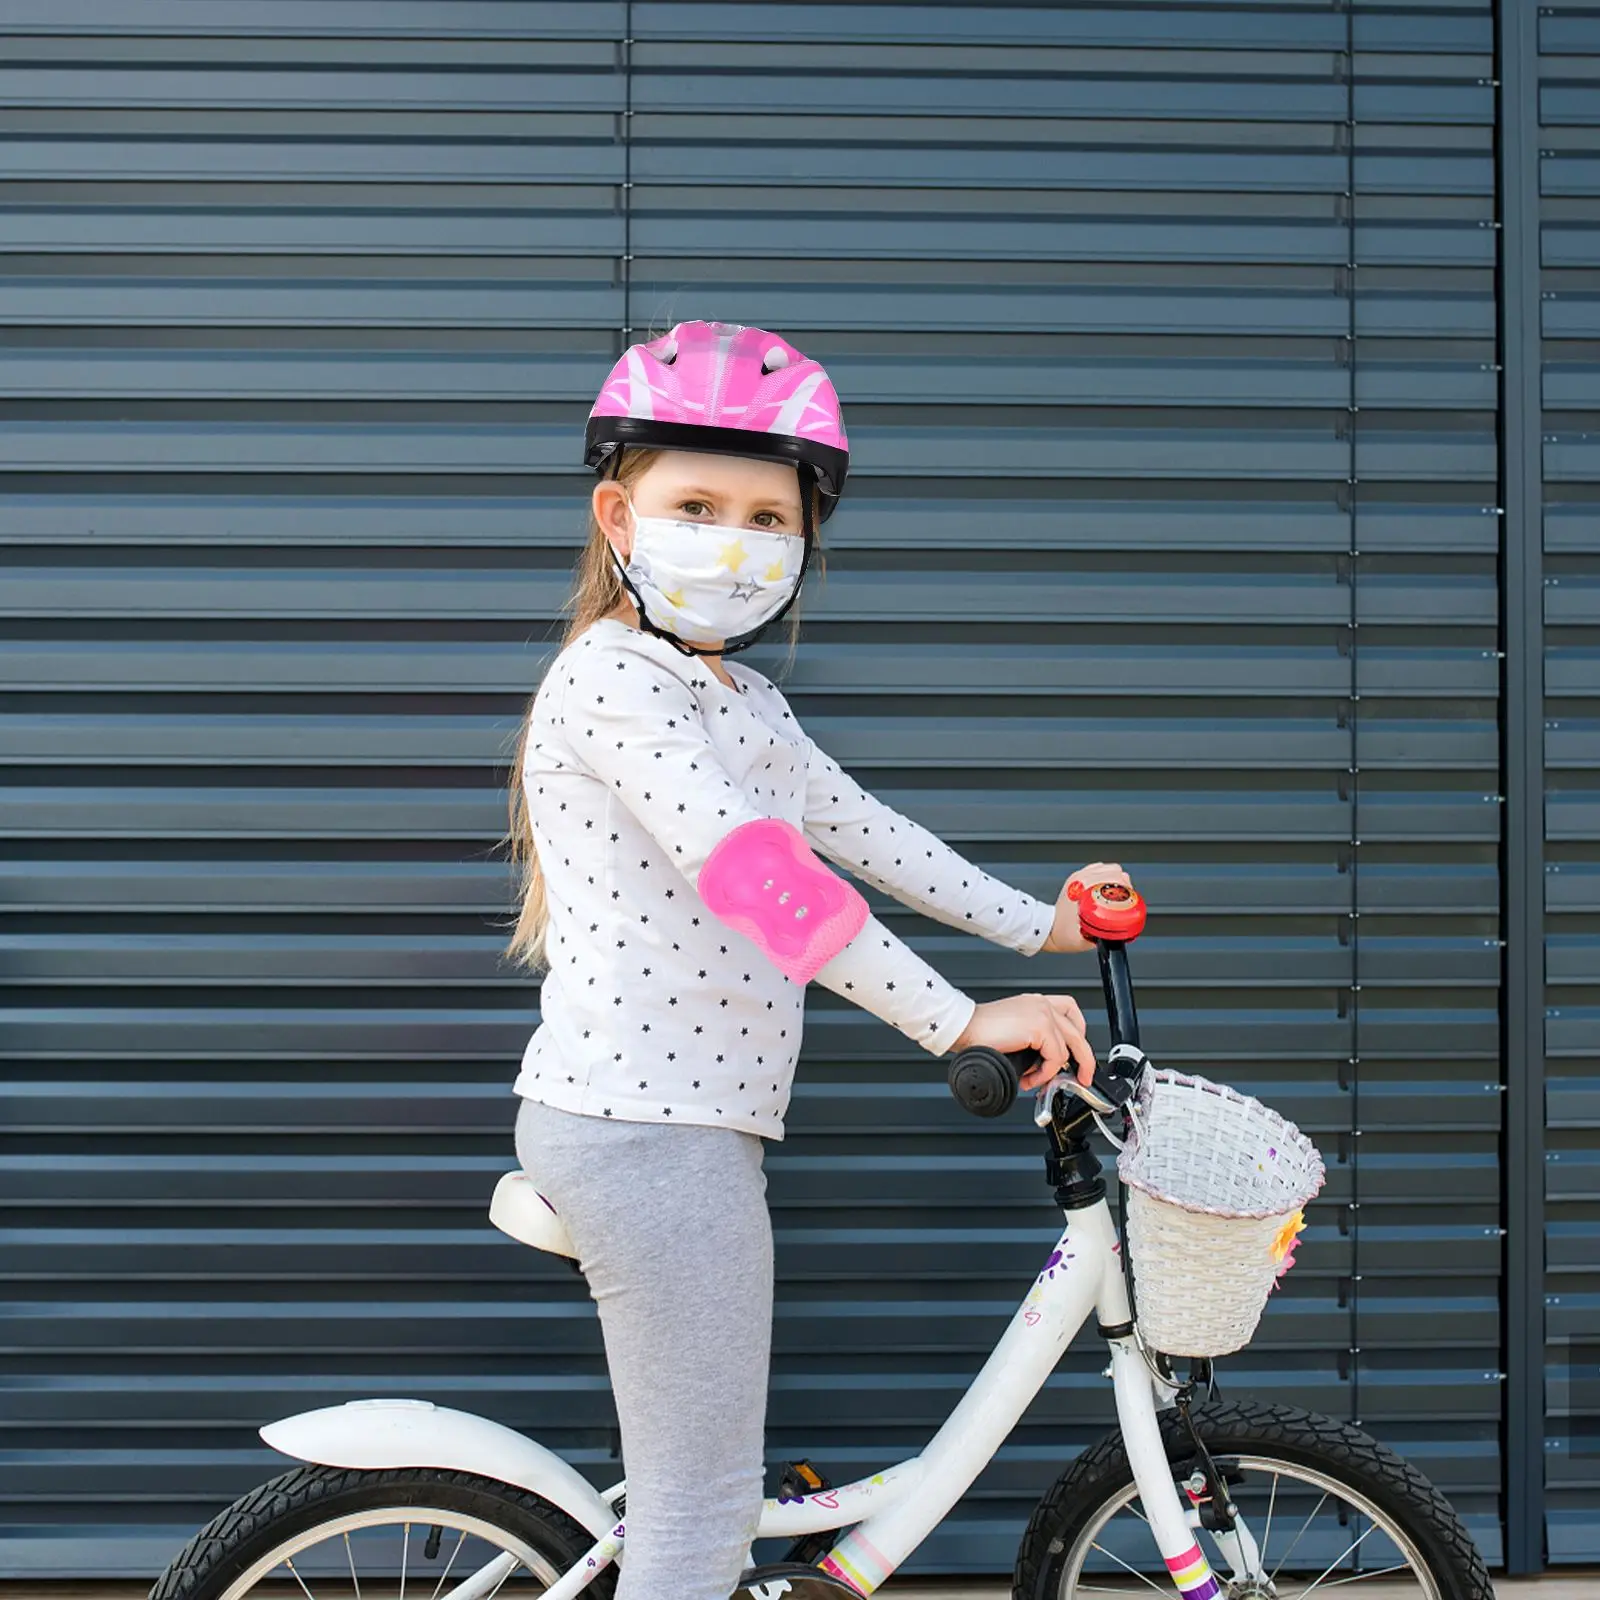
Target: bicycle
[497, 1515]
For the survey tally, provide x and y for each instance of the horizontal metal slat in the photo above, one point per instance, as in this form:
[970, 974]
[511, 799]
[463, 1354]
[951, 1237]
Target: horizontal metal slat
[1569, 1032]
[499, 1034]
[1223, 741]
[669, 288]
[832, 671]
[271, 958]
[1572, 529]
[581, 149]
[668, 80]
[826, 672]
[1191, 27]
[1242, 885]
[529, 519]
[245, 375]
[1572, 600]
[579, 75]
[300, 19]
[668, 222]
[586, 297]
[484, 594]
[189, 811]
[576, 221]
[937, 447]
[1572, 886]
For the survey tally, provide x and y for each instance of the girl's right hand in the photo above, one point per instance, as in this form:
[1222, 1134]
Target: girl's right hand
[1052, 1024]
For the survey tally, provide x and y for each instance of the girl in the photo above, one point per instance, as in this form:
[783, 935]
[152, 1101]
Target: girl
[668, 812]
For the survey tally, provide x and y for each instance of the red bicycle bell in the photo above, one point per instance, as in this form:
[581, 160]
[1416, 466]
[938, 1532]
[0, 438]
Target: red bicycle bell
[1109, 911]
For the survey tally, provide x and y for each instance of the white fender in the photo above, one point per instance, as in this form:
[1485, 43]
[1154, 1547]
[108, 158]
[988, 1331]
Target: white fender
[417, 1433]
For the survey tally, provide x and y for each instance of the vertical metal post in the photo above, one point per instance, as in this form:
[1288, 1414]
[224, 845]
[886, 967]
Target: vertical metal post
[1522, 600]
[1353, 708]
[626, 63]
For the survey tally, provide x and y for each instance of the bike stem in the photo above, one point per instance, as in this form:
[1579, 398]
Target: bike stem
[1118, 986]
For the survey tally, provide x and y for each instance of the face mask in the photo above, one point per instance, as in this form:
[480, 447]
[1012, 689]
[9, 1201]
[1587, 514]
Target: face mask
[708, 584]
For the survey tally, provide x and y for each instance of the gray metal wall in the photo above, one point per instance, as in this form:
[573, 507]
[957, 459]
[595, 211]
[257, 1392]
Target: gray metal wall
[1194, 565]
[1569, 287]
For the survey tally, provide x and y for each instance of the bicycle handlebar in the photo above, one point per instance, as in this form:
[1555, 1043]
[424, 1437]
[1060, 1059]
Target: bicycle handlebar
[984, 1080]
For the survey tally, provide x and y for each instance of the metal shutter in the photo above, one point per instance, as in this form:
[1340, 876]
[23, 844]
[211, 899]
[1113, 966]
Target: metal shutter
[1569, 44]
[1425, 1103]
[1084, 278]
[306, 303]
[305, 306]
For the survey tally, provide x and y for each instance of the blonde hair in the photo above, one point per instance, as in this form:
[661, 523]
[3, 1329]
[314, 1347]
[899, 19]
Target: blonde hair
[596, 592]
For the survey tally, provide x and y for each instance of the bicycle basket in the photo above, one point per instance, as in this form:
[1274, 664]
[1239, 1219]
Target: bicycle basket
[1216, 1184]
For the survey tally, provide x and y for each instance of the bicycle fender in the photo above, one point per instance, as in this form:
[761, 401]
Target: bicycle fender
[417, 1433]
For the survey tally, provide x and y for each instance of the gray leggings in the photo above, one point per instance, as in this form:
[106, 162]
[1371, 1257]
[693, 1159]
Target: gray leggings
[671, 1227]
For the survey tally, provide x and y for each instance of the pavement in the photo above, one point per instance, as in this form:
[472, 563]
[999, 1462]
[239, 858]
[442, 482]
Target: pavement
[1566, 1588]
[1555, 1586]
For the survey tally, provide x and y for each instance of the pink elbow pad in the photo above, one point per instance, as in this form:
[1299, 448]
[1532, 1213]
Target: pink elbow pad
[764, 881]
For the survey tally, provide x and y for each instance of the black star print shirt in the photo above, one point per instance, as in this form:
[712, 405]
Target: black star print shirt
[639, 761]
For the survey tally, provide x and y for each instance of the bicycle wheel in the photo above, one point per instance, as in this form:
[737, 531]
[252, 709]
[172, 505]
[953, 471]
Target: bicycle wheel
[1326, 1505]
[400, 1533]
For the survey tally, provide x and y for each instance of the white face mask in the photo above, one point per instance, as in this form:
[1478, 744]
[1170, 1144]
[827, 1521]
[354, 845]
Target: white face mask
[707, 583]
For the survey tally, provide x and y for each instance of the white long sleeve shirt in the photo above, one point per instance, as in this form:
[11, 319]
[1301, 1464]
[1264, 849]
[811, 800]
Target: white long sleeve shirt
[639, 760]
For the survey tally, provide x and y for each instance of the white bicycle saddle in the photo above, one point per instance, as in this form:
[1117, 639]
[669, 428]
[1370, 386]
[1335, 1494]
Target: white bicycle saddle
[518, 1209]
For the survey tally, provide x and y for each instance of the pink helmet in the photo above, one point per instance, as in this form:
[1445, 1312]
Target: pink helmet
[722, 387]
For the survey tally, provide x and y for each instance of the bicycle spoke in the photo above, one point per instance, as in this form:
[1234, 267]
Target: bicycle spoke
[477, 1587]
[1272, 1502]
[298, 1579]
[1354, 1546]
[1332, 1546]
[350, 1557]
[1134, 1570]
[502, 1583]
[461, 1539]
[405, 1551]
[1361, 1577]
[1297, 1538]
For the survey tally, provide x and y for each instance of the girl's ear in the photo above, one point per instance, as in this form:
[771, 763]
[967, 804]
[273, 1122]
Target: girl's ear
[612, 514]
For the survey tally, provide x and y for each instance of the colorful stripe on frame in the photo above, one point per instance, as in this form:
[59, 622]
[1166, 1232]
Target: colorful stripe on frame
[1192, 1574]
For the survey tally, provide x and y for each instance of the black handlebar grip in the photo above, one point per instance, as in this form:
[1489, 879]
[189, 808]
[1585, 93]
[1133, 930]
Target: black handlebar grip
[984, 1080]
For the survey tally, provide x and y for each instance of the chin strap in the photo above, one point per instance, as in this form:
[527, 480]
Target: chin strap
[741, 641]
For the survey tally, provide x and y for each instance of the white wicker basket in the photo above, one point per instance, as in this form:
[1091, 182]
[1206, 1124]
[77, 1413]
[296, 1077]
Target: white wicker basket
[1216, 1185]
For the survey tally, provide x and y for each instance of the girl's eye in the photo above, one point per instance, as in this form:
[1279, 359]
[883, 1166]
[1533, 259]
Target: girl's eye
[767, 519]
[695, 508]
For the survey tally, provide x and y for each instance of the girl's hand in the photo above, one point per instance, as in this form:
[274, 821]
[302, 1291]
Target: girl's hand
[1065, 937]
[1051, 1023]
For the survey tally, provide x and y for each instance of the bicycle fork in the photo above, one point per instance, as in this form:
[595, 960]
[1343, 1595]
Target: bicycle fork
[1135, 1388]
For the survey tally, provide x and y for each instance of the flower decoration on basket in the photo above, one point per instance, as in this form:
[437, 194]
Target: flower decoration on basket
[1287, 1242]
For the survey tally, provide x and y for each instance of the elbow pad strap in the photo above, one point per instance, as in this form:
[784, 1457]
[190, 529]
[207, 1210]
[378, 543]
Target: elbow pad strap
[765, 882]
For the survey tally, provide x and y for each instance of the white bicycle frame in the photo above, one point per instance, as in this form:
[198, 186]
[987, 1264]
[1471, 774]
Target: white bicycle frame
[892, 1512]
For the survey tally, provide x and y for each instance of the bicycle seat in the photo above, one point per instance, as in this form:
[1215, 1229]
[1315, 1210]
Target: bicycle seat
[518, 1209]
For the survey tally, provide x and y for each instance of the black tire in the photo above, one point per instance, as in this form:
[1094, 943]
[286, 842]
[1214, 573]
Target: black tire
[1283, 1433]
[307, 1497]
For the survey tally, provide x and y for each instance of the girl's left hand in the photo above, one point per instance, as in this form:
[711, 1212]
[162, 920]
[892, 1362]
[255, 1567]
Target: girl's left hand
[1065, 937]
